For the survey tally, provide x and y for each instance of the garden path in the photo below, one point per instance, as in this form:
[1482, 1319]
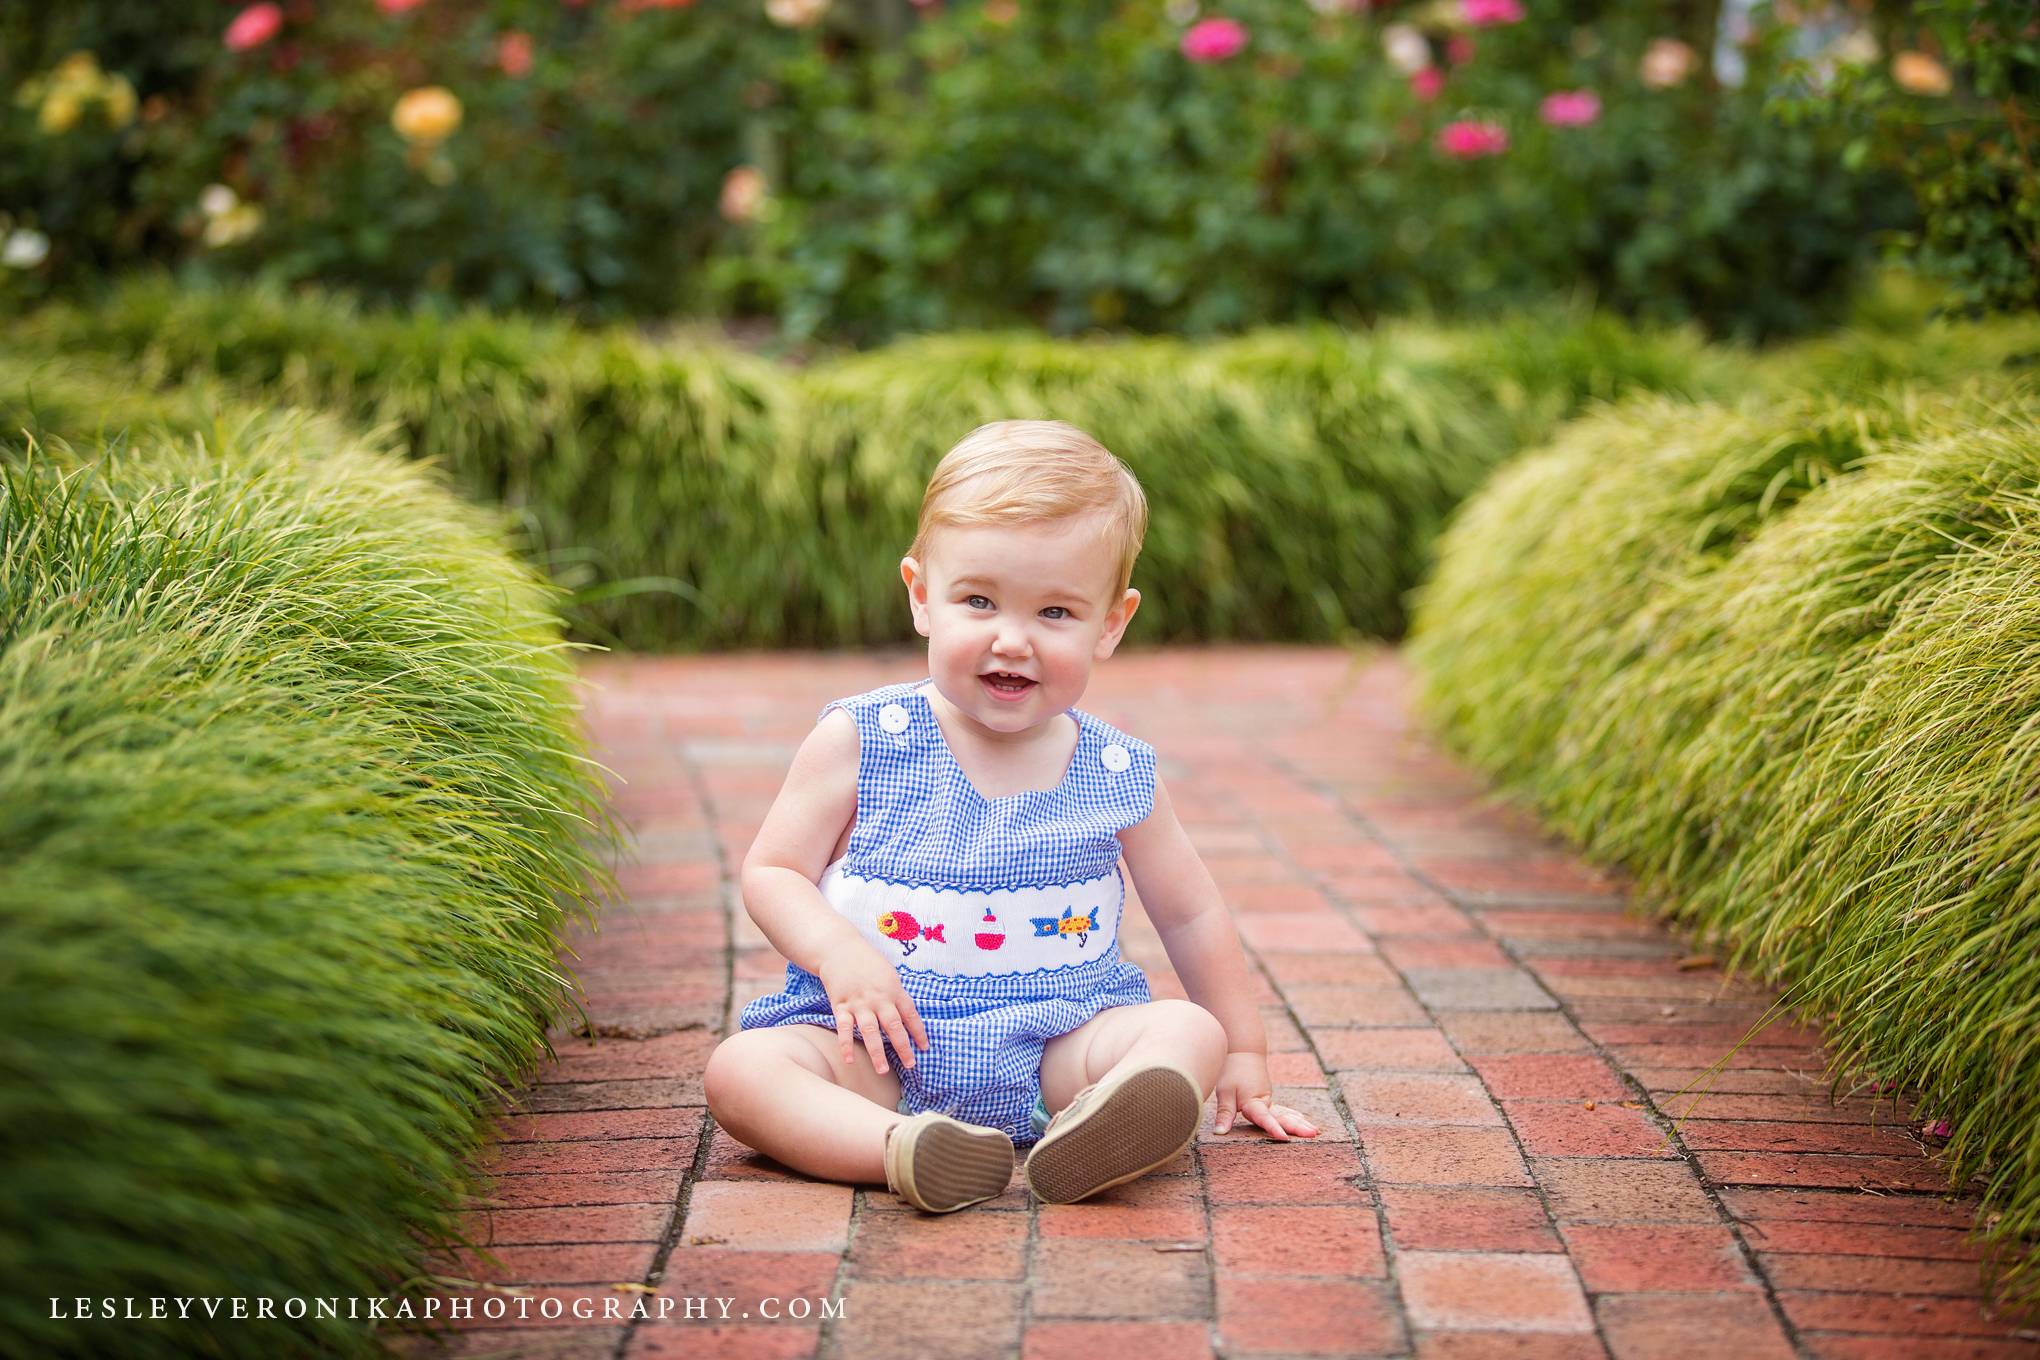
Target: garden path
[1491, 1043]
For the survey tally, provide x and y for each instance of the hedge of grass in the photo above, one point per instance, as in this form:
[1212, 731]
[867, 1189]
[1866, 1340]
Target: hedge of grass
[1781, 660]
[292, 812]
[694, 497]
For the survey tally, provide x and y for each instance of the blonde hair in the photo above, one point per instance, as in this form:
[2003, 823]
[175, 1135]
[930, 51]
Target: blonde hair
[1033, 472]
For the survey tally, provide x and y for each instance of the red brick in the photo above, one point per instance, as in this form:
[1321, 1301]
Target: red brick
[1467, 1220]
[1550, 1076]
[804, 1217]
[584, 1341]
[1313, 932]
[747, 1277]
[598, 1124]
[1422, 919]
[669, 1055]
[1296, 1069]
[1151, 1209]
[725, 1341]
[1356, 1006]
[588, 1263]
[1404, 1098]
[1886, 1275]
[1474, 951]
[1274, 897]
[1900, 1315]
[1812, 1169]
[1492, 1290]
[603, 1187]
[1570, 1129]
[604, 1223]
[1329, 970]
[590, 1155]
[1639, 1258]
[1090, 1277]
[1276, 1173]
[1839, 1346]
[1306, 1317]
[1741, 1135]
[1294, 1240]
[939, 1246]
[1848, 1207]
[1481, 1032]
[927, 1319]
[1611, 1190]
[1387, 1050]
[1508, 1346]
[1701, 1326]
[1850, 1238]
[1444, 1156]
[1089, 1340]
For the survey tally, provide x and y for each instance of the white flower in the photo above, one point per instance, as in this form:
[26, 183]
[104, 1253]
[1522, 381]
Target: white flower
[1181, 11]
[217, 200]
[795, 13]
[236, 224]
[25, 249]
[1857, 47]
[1666, 62]
[1406, 48]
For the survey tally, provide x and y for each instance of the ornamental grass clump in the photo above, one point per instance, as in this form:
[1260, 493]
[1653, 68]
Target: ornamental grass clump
[632, 472]
[694, 497]
[293, 810]
[1785, 667]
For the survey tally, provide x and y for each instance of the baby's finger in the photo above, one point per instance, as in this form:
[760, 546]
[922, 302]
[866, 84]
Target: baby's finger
[844, 1040]
[1294, 1121]
[913, 1019]
[1257, 1110]
[889, 1016]
[868, 1023]
[1223, 1124]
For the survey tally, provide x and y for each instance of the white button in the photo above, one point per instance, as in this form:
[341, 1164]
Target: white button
[1114, 758]
[893, 718]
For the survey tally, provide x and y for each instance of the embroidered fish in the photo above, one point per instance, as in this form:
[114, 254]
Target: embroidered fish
[1066, 924]
[899, 926]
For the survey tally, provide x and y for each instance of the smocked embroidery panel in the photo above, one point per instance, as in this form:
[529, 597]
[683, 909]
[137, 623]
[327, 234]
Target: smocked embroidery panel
[981, 933]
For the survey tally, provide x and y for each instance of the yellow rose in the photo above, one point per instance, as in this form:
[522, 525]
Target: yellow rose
[60, 110]
[1918, 73]
[120, 101]
[428, 114]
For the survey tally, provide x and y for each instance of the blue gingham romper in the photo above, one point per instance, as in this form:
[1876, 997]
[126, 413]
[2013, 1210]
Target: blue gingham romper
[1001, 914]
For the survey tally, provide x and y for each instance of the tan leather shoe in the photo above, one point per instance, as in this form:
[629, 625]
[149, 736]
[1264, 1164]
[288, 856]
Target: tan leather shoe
[941, 1164]
[1124, 1125]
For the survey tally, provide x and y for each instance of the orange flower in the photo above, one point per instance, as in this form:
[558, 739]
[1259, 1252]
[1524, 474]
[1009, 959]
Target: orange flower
[426, 115]
[1918, 73]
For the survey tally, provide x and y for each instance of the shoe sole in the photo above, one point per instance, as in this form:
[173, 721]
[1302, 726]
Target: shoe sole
[945, 1167]
[1143, 1123]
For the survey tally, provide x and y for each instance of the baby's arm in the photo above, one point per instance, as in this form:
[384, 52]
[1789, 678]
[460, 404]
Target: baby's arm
[1204, 947]
[779, 877]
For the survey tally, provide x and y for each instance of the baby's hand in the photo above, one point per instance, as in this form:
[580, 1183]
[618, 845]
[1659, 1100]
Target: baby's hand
[1244, 1088]
[864, 988]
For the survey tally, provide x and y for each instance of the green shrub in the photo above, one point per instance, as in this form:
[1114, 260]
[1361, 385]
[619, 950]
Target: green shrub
[694, 497]
[292, 812]
[1776, 661]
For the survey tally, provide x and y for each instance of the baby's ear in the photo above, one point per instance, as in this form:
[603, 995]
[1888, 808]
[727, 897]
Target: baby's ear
[1115, 624]
[917, 593]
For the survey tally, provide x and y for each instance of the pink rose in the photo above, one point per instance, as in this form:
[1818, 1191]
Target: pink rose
[253, 27]
[1214, 40]
[1468, 140]
[513, 53]
[1427, 84]
[1570, 108]
[397, 6]
[1459, 49]
[1488, 13]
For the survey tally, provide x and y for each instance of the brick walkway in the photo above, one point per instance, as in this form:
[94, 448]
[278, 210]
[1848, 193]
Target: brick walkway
[1490, 1043]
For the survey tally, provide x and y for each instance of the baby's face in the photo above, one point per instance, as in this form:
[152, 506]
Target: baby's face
[1035, 601]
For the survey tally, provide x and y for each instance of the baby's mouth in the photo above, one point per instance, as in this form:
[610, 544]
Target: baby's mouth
[1006, 682]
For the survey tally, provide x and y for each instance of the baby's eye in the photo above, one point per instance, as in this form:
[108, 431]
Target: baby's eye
[1058, 610]
[972, 600]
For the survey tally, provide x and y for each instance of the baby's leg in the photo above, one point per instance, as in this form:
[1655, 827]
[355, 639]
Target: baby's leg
[1179, 1032]
[787, 1092]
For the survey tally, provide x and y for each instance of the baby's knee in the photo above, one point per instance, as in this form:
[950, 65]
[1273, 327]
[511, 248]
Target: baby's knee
[1200, 1030]
[734, 1070]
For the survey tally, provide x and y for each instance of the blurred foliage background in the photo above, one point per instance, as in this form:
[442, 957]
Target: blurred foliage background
[847, 170]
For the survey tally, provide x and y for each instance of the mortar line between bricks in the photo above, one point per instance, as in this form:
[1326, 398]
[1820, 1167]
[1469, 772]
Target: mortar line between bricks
[1391, 1282]
[655, 1273]
[1743, 1247]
